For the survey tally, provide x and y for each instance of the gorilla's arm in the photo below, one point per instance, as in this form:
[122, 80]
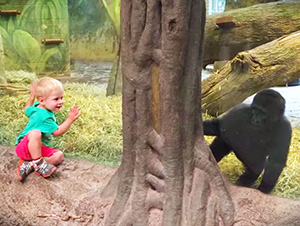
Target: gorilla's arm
[247, 179]
[211, 127]
[278, 152]
[270, 177]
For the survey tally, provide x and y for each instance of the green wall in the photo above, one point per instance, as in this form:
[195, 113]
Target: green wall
[84, 25]
[91, 31]
[22, 36]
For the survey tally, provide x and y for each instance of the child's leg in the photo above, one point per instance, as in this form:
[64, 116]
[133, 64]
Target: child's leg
[53, 156]
[56, 158]
[37, 149]
[27, 163]
[34, 159]
[35, 144]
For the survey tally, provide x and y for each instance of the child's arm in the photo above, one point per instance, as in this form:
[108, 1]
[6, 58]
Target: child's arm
[62, 128]
[31, 98]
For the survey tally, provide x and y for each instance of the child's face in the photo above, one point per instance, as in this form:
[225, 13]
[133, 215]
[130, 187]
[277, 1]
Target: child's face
[54, 101]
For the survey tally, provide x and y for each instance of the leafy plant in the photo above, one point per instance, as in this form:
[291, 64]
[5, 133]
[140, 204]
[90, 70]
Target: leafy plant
[113, 10]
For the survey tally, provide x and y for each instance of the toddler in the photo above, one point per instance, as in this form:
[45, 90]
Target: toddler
[32, 144]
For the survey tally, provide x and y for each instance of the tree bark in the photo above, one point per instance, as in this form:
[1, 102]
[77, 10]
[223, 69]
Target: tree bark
[255, 25]
[2, 67]
[272, 64]
[166, 164]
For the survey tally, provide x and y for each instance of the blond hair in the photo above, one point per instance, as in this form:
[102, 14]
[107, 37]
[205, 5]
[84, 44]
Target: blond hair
[45, 85]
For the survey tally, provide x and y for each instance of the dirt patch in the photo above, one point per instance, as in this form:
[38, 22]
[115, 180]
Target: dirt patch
[70, 197]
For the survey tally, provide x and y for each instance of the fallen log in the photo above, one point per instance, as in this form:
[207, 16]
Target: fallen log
[273, 64]
[254, 26]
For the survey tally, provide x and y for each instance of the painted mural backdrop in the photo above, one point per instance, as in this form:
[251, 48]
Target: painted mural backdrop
[94, 29]
[23, 34]
[90, 30]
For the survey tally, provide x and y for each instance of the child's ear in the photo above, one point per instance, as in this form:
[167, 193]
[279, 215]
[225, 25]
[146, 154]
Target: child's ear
[40, 99]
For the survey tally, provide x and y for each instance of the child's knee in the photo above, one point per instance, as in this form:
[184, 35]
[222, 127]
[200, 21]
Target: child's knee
[58, 157]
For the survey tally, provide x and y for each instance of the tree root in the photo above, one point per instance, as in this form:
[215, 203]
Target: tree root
[155, 166]
[156, 183]
[220, 198]
[154, 199]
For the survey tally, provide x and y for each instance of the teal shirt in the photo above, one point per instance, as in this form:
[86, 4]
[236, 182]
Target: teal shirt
[41, 119]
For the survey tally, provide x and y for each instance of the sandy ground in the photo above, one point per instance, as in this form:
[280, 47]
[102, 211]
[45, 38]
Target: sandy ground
[70, 197]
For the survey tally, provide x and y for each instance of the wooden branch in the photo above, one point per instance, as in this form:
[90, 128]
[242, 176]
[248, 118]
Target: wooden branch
[257, 25]
[272, 64]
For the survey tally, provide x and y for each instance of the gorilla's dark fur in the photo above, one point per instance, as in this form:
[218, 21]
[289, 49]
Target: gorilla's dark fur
[259, 134]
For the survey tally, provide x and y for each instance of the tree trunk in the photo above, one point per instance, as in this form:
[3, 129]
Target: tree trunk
[167, 171]
[272, 64]
[234, 4]
[255, 26]
[114, 85]
[166, 164]
[2, 68]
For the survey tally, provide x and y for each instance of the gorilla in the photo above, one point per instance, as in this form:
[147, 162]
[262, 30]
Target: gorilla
[259, 134]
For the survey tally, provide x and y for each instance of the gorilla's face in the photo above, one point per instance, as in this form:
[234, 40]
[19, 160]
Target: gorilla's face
[270, 103]
[259, 118]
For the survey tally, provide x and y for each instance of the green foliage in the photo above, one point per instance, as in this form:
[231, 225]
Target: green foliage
[97, 134]
[20, 77]
[113, 10]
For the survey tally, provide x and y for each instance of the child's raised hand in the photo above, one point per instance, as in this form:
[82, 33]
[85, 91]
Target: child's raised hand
[33, 89]
[32, 95]
[74, 113]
